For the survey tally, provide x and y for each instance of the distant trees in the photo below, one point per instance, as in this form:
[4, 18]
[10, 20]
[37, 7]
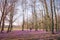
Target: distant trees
[47, 18]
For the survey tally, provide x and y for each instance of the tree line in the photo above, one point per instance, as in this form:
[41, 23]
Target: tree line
[43, 14]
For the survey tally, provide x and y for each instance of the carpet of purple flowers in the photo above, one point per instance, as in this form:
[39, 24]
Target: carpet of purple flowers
[28, 35]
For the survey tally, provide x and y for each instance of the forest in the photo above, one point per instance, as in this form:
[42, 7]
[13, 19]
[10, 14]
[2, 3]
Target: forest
[29, 17]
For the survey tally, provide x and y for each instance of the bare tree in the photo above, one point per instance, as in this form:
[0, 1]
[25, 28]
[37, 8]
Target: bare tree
[11, 20]
[3, 15]
[11, 16]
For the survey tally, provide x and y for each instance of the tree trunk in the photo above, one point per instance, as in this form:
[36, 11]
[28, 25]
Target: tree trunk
[56, 25]
[2, 29]
[23, 21]
[52, 17]
[8, 28]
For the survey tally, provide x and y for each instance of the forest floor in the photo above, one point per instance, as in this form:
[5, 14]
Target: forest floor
[29, 35]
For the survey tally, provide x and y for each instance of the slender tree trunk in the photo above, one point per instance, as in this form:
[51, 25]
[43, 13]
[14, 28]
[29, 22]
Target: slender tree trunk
[56, 25]
[11, 21]
[1, 20]
[23, 21]
[2, 29]
[8, 28]
[27, 20]
[23, 15]
[52, 17]
[32, 22]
